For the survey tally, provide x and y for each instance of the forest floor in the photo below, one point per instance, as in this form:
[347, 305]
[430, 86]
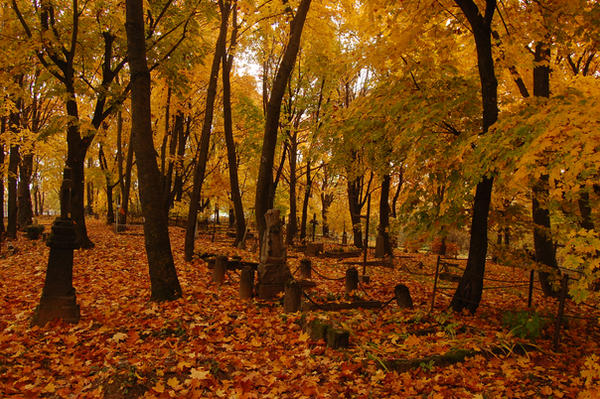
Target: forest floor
[210, 343]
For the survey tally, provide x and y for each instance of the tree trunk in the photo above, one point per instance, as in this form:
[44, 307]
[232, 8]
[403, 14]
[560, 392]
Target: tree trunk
[397, 193]
[13, 164]
[163, 277]
[2, 229]
[384, 215]
[110, 212]
[307, 190]
[25, 207]
[469, 290]
[236, 197]
[355, 207]
[264, 184]
[76, 150]
[545, 252]
[292, 227]
[200, 168]
[89, 208]
[125, 177]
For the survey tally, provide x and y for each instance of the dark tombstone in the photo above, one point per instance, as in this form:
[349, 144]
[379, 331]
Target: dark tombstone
[293, 297]
[403, 296]
[246, 282]
[344, 238]
[313, 248]
[338, 338]
[318, 329]
[218, 273]
[305, 268]
[273, 272]
[351, 280]
[58, 299]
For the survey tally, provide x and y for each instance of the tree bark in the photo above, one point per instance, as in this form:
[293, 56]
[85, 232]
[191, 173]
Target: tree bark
[384, 214]
[2, 228]
[13, 164]
[236, 197]
[25, 206]
[307, 190]
[545, 252]
[125, 176]
[200, 169]
[264, 185]
[354, 203]
[163, 277]
[292, 226]
[469, 290]
[110, 212]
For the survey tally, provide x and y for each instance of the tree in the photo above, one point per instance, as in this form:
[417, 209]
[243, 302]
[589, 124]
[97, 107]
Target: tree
[265, 192]
[234, 185]
[163, 277]
[469, 290]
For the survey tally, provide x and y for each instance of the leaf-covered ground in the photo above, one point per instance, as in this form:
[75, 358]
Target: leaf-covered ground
[211, 344]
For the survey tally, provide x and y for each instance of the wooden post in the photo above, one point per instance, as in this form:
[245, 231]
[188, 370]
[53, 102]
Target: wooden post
[351, 280]
[305, 268]
[366, 246]
[561, 309]
[246, 282]
[293, 297]
[435, 280]
[530, 296]
[219, 269]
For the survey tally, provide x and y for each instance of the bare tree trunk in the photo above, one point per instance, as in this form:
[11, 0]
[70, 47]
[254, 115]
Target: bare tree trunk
[545, 252]
[292, 227]
[200, 169]
[354, 203]
[264, 185]
[125, 176]
[163, 277]
[13, 164]
[470, 287]
[397, 193]
[25, 207]
[384, 216]
[307, 190]
[236, 197]
[2, 229]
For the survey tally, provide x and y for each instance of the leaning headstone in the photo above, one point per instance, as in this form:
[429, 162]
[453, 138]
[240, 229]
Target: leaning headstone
[403, 296]
[273, 271]
[338, 338]
[351, 280]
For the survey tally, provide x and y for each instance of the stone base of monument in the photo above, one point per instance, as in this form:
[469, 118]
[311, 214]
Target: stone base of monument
[56, 307]
[271, 280]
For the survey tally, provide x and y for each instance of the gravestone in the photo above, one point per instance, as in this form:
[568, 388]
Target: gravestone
[273, 271]
[58, 299]
[403, 296]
